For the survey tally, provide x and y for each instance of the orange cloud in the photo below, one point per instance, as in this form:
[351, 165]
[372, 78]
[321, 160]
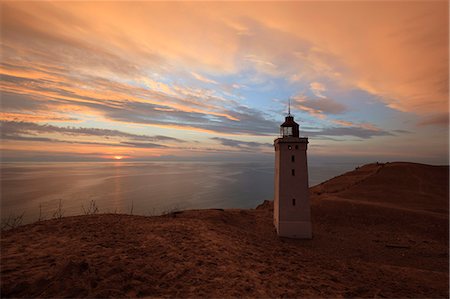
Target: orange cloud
[346, 123]
[398, 50]
[34, 118]
[109, 93]
[147, 66]
[318, 89]
[202, 78]
[318, 107]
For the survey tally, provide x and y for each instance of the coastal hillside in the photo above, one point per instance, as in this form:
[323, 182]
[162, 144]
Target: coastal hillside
[379, 231]
[399, 185]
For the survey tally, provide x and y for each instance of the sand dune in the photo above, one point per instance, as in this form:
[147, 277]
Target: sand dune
[379, 231]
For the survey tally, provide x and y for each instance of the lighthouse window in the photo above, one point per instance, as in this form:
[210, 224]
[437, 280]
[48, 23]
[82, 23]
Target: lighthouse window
[286, 131]
[293, 201]
[289, 131]
[293, 158]
[290, 147]
[293, 172]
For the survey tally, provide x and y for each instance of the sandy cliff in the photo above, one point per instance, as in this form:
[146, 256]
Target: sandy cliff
[381, 230]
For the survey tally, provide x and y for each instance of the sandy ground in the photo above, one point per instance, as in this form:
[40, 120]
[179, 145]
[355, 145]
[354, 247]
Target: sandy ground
[379, 231]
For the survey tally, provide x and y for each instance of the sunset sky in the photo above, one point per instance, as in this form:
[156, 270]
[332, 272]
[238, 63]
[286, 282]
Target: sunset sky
[188, 80]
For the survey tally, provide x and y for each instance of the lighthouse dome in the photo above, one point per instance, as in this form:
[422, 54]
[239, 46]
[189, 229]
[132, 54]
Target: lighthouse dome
[289, 128]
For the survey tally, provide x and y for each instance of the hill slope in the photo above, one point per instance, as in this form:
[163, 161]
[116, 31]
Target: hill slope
[400, 184]
[376, 233]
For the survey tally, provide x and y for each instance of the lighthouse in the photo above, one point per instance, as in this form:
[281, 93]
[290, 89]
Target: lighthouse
[292, 212]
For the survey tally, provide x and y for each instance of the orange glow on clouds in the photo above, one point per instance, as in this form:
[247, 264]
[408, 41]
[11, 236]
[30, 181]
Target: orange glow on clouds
[164, 78]
[391, 45]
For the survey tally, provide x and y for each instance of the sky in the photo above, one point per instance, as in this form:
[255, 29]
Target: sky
[145, 81]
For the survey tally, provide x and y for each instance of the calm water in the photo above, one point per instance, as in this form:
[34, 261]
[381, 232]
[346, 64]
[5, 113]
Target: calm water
[148, 188]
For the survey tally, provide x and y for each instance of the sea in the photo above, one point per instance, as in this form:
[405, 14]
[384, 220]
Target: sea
[44, 190]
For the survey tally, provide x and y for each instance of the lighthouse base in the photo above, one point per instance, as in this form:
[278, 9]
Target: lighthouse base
[294, 229]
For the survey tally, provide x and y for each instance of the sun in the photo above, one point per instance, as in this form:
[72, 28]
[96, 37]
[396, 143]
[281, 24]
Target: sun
[118, 157]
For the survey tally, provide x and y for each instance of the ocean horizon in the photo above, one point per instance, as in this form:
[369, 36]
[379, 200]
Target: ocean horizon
[36, 189]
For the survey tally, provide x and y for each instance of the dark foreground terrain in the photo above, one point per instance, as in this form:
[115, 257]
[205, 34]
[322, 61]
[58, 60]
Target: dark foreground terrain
[379, 231]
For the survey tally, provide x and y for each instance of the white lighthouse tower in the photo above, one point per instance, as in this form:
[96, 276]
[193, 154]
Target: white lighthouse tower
[292, 212]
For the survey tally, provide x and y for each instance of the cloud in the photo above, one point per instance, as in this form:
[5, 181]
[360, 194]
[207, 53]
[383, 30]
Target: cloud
[260, 62]
[403, 61]
[202, 78]
[317, 89]
[6, 136]
[19, 102]
[181, 107]
[402, 131]
[147, 67]
[250, 121]
[15, 130]
[349, 131]
[137, 109]
[346, 123]
[239, 143]
[318, 107]
[437, 119]
[50, 117]
[143, 145]
[54, 141]
[348, 128]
